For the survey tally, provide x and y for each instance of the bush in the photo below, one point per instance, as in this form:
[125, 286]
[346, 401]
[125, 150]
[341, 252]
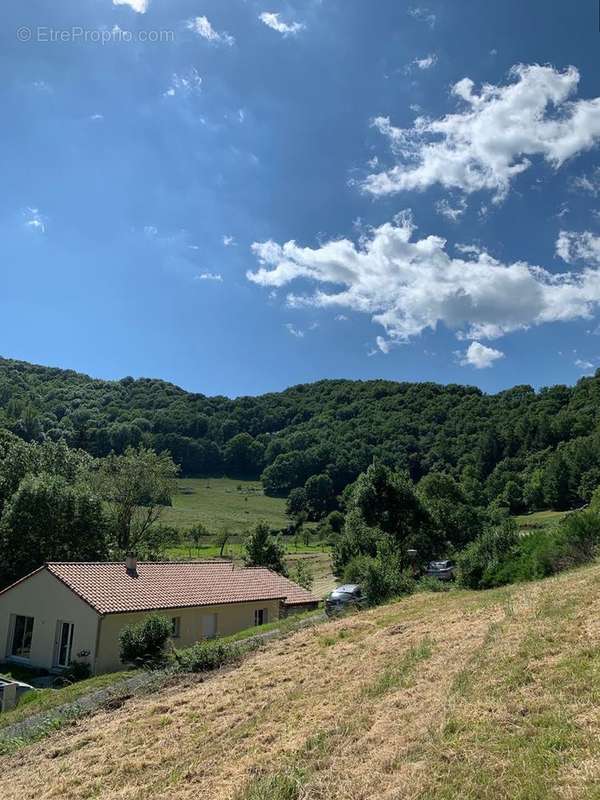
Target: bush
[145, 642]
[208, 655]
[380, 578]
[499, 557]
[430, 584]
[480, 559]
[77, 671]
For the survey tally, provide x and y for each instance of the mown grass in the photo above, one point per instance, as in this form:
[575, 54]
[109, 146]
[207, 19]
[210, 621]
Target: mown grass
[478, 696]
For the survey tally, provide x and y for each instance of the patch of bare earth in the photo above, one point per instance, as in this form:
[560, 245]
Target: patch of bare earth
[467, 695]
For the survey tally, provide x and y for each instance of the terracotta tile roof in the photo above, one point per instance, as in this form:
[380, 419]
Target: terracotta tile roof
[109, 588]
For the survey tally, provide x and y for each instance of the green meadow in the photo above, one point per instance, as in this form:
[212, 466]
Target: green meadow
[222, 503]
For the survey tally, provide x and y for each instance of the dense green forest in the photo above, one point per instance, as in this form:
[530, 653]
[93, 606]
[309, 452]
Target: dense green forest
[519, 449]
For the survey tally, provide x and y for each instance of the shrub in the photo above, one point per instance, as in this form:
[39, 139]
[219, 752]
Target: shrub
[208, 655]
[482, 557]
[499, 557]
[145, 642]
[380, 578]
[430, 584]
[77, 671]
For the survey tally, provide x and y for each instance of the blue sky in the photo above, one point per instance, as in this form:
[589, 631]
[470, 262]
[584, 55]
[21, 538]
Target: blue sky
[228, 208]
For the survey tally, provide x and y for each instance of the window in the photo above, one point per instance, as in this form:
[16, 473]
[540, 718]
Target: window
[260, 616]
[22, 634]
[175, 627]
[64, 643]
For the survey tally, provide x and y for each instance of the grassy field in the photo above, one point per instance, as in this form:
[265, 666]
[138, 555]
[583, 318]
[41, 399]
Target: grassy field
[539, 519]
[220, 503]
[471, 695]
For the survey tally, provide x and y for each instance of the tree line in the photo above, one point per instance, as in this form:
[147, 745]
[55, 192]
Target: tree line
[519, 449]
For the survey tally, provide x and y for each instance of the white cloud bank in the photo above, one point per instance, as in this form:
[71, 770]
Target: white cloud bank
[479, 356]
[409, 286]
[271, 20]
[203, 28]
[490, 142]
[141, 6]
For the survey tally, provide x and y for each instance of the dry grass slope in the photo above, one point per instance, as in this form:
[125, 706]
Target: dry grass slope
[468, 695]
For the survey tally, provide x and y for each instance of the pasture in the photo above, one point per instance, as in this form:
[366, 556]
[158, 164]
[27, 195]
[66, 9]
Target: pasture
[223, 503]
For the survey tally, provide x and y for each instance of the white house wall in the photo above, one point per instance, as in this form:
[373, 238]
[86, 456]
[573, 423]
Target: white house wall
[47, 600]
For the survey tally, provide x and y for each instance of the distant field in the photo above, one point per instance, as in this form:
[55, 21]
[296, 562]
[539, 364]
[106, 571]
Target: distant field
[539, 519]
[220, 503]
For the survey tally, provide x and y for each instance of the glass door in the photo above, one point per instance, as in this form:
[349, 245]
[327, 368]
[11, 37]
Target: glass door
[64, 644]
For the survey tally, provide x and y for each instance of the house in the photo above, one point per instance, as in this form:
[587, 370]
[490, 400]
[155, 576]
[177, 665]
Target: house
[74, 611]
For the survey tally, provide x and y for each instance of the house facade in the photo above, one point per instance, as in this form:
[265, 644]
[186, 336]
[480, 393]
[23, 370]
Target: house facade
[72, 611]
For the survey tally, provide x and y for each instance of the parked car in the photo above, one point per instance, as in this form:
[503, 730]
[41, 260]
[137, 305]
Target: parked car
[343, 598]
[442, 570]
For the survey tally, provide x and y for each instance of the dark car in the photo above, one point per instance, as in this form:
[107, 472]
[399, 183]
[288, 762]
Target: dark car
[442, 570]
[343, 598]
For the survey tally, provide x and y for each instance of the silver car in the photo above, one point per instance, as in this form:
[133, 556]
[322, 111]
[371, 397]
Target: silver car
[442, 570]
[343, 598]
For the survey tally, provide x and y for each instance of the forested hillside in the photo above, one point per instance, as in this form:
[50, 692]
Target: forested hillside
[518, 448]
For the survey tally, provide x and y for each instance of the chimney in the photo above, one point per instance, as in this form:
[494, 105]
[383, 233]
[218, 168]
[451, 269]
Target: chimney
[131, 565]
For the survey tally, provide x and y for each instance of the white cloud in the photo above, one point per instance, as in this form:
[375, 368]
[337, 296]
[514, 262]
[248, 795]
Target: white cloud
[97, 117]
[271, 20]
[203, 28]
[587, 183]
[409, 286]
[209, 276]
[423, 15]
[424, 63]
[141, 6]
[479, 356]
[42, 86]
[299, 334]
[187, 84]
[584, 365]
[229, 241]
[34, 220]
[444, 208]
[340, 318]
[573, 247]
[490, 142]
[383, 344]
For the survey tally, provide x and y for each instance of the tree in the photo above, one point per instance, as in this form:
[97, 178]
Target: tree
[556, 483]
[261, 549]
[221, 540]
[49, 520]
[136, 486]
[456, 520]
[320, 497]
[385, 520]
[302, 574]
[296, 502]
[243, 456]
[196, 534]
